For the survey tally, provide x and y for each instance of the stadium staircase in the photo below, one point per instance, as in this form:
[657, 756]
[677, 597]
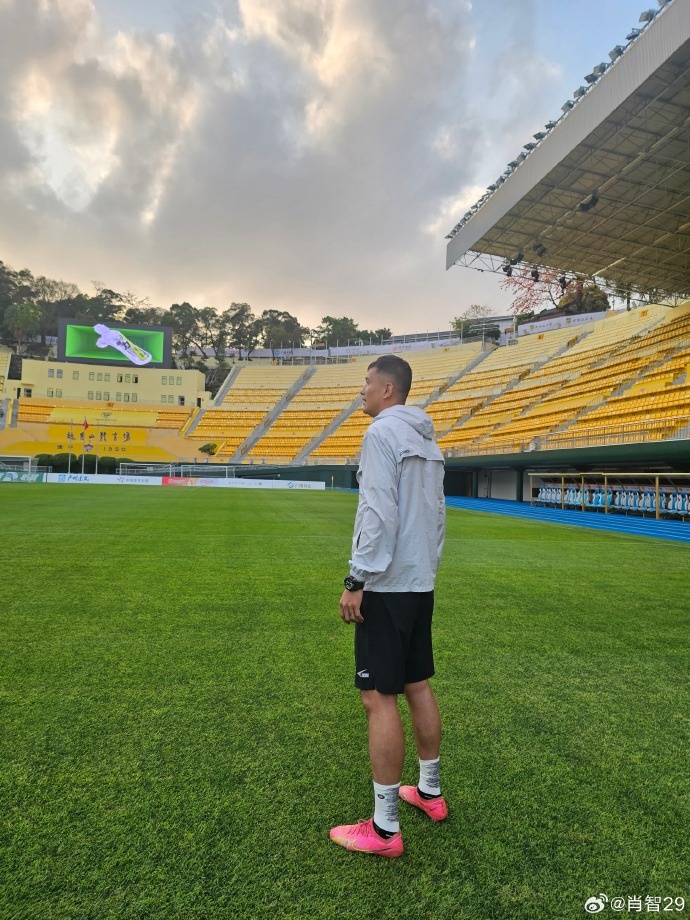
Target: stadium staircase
[348, 411]
[271, 416]
[227, 383]
[198, 415]
[15, 369]
[586, 409]
[439, 391]
[492, 398]
[525, 378]
[191, 422]
[623, 405]
[620, 523]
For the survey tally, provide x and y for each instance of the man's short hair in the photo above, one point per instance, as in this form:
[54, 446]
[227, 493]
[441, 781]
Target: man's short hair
[397, 370]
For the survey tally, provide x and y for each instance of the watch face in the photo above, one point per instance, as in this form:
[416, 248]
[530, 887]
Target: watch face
[352, 584]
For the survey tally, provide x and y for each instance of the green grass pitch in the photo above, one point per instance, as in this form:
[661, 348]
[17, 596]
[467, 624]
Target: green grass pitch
[180, 730]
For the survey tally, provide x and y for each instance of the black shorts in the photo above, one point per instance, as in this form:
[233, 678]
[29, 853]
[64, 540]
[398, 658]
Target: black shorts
[393, 644]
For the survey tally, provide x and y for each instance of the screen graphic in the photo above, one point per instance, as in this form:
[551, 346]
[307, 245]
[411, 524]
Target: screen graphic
[143, 346]
[113, 338]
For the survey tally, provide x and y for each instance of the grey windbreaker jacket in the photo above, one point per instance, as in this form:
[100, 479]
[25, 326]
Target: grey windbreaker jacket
[401, 517]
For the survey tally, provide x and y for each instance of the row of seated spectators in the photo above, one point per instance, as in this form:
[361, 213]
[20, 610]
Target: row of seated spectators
[637, 498]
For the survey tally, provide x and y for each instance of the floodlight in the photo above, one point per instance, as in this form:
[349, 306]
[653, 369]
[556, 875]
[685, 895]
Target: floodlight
[592, 77]
[632, 35]
[563, 283]
[588, 203]
[529, 146]
[580, 91]
[567, 106]
[508, 270]
[616, 52]
[513, 164]
[535, 273]
[540, 135]
[517, 258]
[647, 16]
[539, 248]
[550, 124]
[600, 68]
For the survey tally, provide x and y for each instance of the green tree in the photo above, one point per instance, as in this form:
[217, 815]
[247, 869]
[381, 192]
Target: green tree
[337, 331]
[22, 321]
[281, 328]
[244, 329]
[374, 336]
[584, 297]
[214, 336]
[145, 316]
[634, 293]
[183, 319]
[16, 288]
[8, 285]
[54, 298]
[62, 462]
[105, 306]
[475, 322]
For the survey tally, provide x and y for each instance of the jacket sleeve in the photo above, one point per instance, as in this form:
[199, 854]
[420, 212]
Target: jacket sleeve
[375, 538]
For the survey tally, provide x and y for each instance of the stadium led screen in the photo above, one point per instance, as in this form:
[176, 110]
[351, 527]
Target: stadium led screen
[114, 343]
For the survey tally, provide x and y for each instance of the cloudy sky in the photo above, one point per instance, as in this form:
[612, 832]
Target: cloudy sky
[305, 155]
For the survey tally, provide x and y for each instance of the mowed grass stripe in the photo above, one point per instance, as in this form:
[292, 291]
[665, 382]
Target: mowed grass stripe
[180, 729]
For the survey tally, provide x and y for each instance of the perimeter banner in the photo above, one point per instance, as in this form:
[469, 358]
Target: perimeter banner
[77, 478]
[12, 476]
[242, 483]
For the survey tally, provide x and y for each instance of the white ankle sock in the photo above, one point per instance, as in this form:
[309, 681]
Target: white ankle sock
[429, 776]
[386, 807]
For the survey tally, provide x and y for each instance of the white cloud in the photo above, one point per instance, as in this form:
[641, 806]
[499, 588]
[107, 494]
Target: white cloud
[303, 154]
[451, 209]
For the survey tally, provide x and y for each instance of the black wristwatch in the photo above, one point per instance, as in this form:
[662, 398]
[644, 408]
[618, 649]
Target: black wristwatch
[352, 584]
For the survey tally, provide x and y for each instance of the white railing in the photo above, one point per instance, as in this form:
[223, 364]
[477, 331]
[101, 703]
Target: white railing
[662, 429]
[675, 428]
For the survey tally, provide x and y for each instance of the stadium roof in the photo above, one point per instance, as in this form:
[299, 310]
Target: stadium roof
[604, 191]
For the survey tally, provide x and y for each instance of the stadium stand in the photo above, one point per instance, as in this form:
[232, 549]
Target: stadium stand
[653, 397]
[253, 396]
[433, 372]
[618, 379]
[325, 396]
[560, 388]
[45, 411]
[488, 399]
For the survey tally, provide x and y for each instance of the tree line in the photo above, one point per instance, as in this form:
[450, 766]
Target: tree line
[31, 306]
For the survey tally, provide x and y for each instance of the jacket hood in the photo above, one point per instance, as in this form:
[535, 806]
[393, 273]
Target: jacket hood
[413, 416]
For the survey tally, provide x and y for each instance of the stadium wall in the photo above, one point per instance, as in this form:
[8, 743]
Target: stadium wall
[104, 383]
[343, 476]
[504, 476]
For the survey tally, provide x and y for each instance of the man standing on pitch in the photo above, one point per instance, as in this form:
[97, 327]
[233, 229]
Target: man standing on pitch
[389, 596]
